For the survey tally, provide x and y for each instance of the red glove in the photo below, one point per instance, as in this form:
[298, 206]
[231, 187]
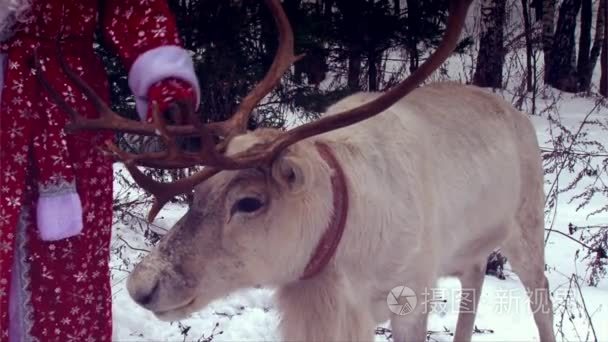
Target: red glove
[167, 92]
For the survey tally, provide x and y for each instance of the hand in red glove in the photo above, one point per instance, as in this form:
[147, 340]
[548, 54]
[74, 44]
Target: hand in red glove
[168, 92]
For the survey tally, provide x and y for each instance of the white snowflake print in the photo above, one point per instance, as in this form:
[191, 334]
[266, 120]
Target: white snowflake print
[17, 100]
[20, 158]
[9, 174]
[90, 217]
[13, 202]
[159, 32]
[4, 218]
[17, 86]
[15, 131]
[69, 95]
[80, 276]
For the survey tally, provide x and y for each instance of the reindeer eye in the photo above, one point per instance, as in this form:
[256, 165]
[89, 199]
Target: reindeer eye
[247, 205]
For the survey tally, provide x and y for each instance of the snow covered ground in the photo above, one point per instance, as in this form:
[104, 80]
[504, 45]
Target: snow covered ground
[503, 314]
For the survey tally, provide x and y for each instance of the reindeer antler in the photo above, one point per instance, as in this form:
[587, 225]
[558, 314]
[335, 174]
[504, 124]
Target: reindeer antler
[211, 154]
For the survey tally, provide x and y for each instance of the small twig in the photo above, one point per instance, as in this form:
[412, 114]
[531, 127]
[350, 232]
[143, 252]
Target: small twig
[585, 308]
[133, 248]
[576, 153]
[550, 230]
[120, 281]
[577, 228]
[129, 204]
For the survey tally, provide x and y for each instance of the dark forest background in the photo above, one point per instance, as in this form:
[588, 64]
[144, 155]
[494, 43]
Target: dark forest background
[349, 44]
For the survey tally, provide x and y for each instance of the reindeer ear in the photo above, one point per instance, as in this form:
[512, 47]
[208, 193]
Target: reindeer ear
[292, 172]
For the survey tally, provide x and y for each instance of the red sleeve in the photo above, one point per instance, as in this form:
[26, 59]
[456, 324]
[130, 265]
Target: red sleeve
[144, 35]
[133, 27]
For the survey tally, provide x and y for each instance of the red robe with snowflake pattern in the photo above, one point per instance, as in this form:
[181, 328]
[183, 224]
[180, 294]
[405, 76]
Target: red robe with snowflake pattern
[64, 285]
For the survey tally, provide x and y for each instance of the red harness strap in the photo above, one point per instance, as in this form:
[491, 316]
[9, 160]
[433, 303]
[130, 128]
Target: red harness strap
[328, 244]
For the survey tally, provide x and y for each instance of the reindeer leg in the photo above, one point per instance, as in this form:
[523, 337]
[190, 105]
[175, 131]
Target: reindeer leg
[412, 326]
[409, 330]
[471, 283]
[526, 256]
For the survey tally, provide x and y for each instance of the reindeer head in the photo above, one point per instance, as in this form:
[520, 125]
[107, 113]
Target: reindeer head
[265, 199]
[257, 226]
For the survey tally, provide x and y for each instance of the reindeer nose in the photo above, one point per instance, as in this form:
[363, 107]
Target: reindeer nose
[143, 285]
[145, 295]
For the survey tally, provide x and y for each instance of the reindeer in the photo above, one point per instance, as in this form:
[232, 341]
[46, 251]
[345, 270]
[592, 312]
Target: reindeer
[334, 217]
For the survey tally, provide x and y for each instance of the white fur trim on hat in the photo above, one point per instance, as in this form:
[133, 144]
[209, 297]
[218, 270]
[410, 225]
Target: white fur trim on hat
[155, 65]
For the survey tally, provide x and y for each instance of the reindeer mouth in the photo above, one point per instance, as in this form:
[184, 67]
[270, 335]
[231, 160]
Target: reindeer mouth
[179, 312]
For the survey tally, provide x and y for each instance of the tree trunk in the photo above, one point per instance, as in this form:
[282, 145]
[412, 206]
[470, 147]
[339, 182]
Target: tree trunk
[537, 5]
[413, 20]
[604, 59]
[528, 36]
[414, 56]
[548, 31]
[488, 72]
[327, 6]
[397, 7]
[600, 32]
[354, 70]
[598, 40]
[561, 71]
[352, 17]
[584, 46]
[372, 72]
